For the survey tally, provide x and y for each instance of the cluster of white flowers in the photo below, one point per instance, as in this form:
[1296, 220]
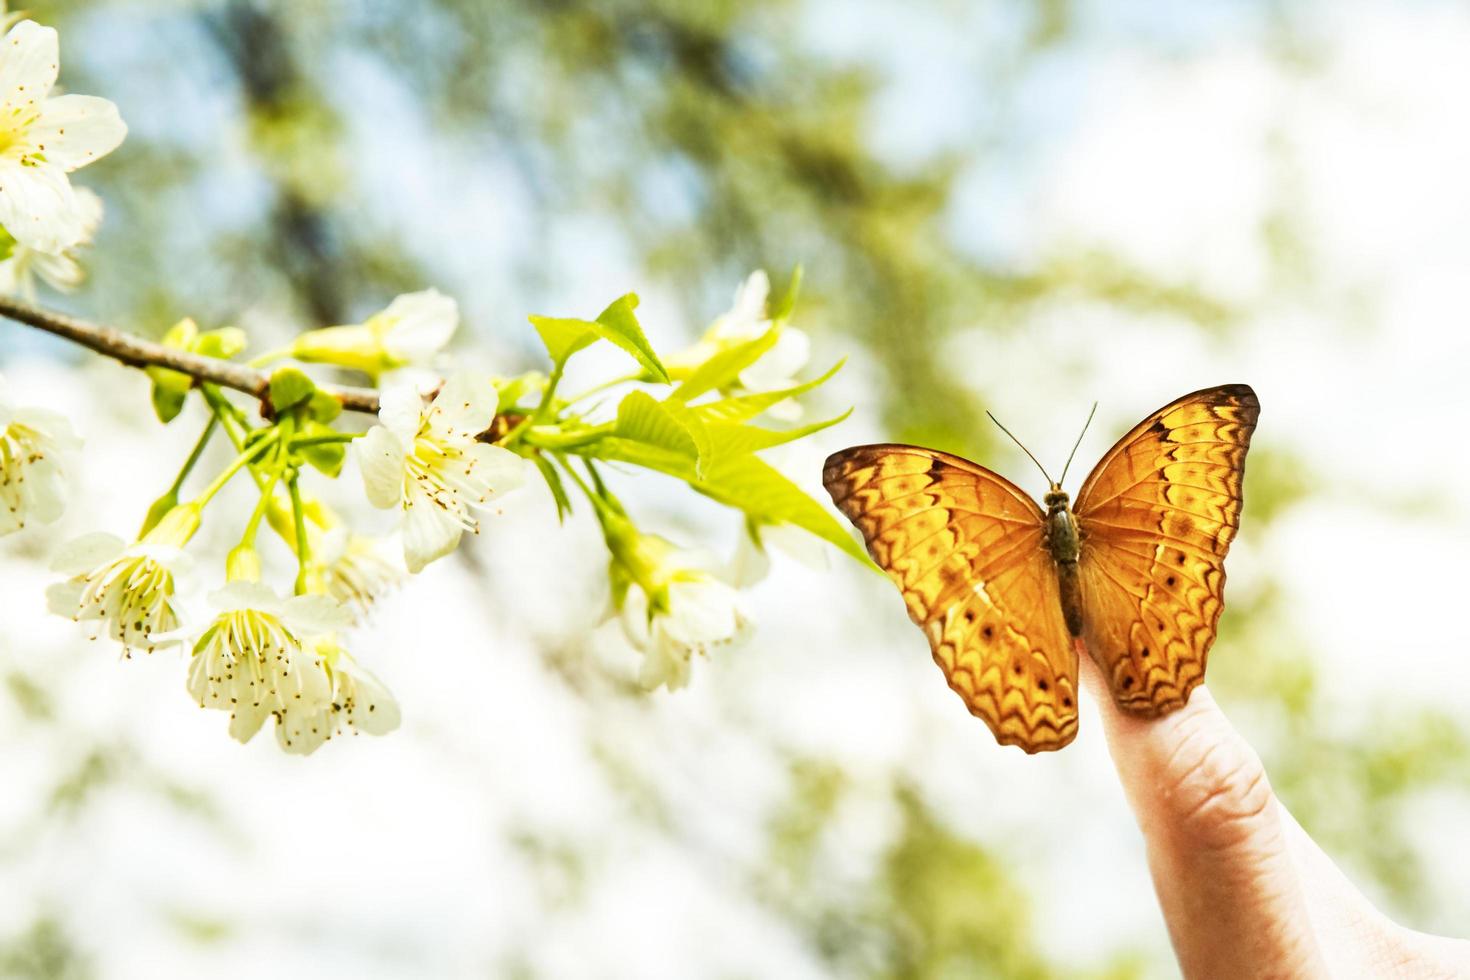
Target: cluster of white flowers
[254, 652]
[43, 138]
[265, 656]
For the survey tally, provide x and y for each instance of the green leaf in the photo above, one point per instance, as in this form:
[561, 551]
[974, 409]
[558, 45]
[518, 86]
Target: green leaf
[290, 387]
[642, 418]
[170, 389]
[620, 326]
[746, 483]
[324, 456]
[323, 407]
[780, 310]
[181, 335]
[616, 324]
[735, 438]
[741, 408]
[512, 390]
[616, 449]
[223, 343]
[724, 368]
[553, 481]
[563, 337]
[752, 485]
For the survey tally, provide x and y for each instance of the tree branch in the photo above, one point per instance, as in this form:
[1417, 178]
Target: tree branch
[137, 352]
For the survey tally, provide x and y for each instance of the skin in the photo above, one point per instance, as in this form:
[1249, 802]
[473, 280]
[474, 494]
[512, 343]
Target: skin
[1244, 890]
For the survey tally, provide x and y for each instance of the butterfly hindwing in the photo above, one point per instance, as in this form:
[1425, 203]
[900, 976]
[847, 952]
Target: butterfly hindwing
[966, 548]
[1157, 516]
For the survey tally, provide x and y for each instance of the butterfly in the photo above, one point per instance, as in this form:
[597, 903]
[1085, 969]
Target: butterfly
[1004, 590]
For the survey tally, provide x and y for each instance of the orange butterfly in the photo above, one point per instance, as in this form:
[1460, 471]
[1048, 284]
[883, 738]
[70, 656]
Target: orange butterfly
[1003, 589]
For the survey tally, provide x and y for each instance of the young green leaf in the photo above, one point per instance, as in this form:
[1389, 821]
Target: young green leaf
[290, 387]
[620, 326]
[781, 308]
[563, 337]
[745, 483]
[752, 485]
[553, 482]
[724, 368]
[642, 418]
[742, 408]
[617, 324]
[324, 456]
[736, 438]
[170, 389]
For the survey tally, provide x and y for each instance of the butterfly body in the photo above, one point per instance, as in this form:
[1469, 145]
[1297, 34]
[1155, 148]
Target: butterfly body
[1004, 589]
[1064, 541]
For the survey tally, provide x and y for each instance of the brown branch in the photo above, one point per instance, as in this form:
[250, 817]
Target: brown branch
[137, 352]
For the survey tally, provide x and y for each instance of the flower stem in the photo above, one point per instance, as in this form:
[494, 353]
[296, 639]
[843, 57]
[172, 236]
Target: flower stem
[298, 517]
[241, 461]
[324, 439]
[267, 494]
[194, 455]
[548, 437]
[595, 389]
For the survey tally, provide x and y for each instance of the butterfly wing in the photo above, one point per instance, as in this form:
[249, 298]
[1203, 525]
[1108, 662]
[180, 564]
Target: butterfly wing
[1156, 517]
[966, 548]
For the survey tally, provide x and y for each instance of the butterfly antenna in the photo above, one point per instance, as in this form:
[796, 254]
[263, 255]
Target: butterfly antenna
[1022, 445]
[1079, 440]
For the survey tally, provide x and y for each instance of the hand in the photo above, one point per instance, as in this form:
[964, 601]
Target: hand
[1244, 890]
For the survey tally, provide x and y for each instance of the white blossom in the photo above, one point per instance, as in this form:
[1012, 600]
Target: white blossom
[33, 444]
[692, 613]
[63, 270]
[425, 461]
[352, 570]
[357, 700]
[752, 560]
[748, 319]
[42, 139]
[255, 660]
[395, 345]
[130, 590]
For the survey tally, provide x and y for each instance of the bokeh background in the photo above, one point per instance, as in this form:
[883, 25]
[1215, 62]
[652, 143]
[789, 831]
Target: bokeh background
[1020, 206]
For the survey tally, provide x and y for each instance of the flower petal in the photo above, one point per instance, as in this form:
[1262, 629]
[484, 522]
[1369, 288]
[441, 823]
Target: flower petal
[497, 468]
[303, 732]
[65, 598]
[75, 130]
[29, 60]
[56, 426]
[380, 460]
[235, 596]
[420, 325]
[38, 206]
[428, 532]
[400, 409]
[247, 718]
[87, 552]
[464, 407]
[315, 614]
[374, 710]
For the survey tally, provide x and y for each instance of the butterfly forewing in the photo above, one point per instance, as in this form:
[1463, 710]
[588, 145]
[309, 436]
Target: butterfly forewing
[1157, 516]
[966, 548]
